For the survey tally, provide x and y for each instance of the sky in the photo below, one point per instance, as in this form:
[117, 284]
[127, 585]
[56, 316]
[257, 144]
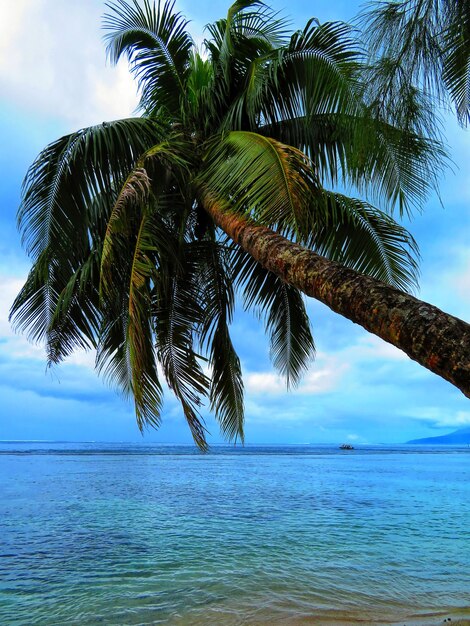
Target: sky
[55, 79]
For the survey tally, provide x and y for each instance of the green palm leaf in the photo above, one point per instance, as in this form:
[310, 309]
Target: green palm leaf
[146, 386]
[283, 310]
[156, 42]
[317, 73]
[76, 320]
[260, 177]
[176, 314]
[217, 298]
[361, 237]
[394, 167]
[69, 173]
[33, 308]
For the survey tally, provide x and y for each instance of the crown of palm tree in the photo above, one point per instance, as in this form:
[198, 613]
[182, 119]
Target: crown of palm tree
[117, 217]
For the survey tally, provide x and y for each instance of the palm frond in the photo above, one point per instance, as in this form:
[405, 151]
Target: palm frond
[176, 314]
[126, 354]
[261, 177]
[129, 275]
[217, 301]
[199, 93]
[112, 355]
[365, 239]
[33, 308]
[69, 173]
[283, 310]
[317, 73]
[135, 240]
[132, 197]
[155, 40]
[147, 181]
[58, 304]
[76, 319]
[146, 387]
[393, 166]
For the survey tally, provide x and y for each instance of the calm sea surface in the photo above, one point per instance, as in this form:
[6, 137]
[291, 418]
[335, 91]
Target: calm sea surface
[135, 534]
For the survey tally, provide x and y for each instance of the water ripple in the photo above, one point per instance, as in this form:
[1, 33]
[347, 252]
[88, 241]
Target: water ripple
[261, 538]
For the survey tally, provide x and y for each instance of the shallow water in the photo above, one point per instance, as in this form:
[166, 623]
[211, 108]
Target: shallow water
[134, 534]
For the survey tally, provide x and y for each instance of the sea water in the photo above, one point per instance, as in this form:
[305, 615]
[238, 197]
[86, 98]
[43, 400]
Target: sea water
[148, 534]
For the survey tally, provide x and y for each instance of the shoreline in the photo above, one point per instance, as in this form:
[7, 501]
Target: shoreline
[284, 617]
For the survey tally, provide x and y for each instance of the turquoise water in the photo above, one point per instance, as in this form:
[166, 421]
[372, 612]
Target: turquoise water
[134, 534]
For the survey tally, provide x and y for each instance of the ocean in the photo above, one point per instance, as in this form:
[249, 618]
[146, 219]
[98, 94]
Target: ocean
[123, 534]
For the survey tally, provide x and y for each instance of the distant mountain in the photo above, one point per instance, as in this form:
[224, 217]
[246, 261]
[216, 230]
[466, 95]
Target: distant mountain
[458, 437]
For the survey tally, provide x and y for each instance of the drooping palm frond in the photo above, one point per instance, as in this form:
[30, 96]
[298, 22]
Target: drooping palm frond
[138, 241]
[33, 308]
[147, 182]
[394, 167]
[128, 274]
[176, 315]
[59, 301]
[75, 322]
[261, 177]
[122, 224]
[70, 172]
[146, 387]
[155, 40]
[217, 301]
[282, 308]
[391, 166]
[316, 73]
[362, 237]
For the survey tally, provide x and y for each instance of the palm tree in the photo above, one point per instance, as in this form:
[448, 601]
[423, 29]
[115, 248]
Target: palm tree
[420, 42]
[142, 231]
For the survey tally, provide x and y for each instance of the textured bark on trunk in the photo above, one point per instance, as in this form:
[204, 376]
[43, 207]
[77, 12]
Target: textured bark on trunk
[438, 341]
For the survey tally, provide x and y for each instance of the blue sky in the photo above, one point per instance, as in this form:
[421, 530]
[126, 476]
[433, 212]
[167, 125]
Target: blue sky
[54, 80]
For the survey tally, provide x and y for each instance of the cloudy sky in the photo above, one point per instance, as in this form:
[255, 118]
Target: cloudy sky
[54, 79]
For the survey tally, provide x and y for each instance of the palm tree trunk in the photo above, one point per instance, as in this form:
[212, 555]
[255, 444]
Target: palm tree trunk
[438, 341]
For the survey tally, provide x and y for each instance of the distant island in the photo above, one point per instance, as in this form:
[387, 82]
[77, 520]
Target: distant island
[458, 437]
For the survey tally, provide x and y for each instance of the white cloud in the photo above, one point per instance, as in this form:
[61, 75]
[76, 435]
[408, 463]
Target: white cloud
[257, 412]
[460, 277]
[53, 61]
[372, 347]
[324, 376]
[440, 418]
